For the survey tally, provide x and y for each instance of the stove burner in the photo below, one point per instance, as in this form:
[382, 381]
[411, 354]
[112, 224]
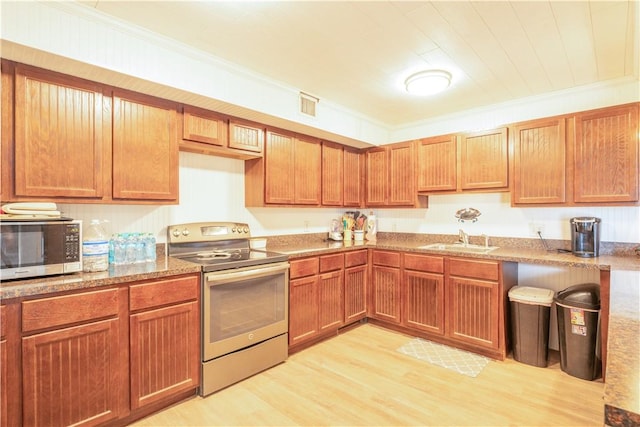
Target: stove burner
[218, 254]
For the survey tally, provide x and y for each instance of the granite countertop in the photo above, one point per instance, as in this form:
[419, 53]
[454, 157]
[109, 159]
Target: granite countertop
[622, 385]
[164, 266]
[518, 252]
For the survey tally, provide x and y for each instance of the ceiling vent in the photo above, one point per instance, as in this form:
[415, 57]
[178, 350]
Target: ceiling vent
[308, 104]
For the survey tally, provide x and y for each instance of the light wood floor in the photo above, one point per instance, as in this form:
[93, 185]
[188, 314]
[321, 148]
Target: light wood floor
[359, 379]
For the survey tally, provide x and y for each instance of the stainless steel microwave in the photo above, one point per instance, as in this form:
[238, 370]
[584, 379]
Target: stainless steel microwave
[40, 248]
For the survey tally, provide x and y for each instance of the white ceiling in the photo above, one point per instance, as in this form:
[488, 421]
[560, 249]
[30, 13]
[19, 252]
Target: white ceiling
[357, 53]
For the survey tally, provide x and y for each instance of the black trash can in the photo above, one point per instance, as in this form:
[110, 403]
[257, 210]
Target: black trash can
[530, 309]
[579, 330]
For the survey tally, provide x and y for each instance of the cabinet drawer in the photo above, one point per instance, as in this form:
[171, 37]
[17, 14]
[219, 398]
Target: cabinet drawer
[432, 264]
[63, 310]
[164, 292]
[351, 259]
[488, 270]
[389, 259]
[303, 267]
[331, 262]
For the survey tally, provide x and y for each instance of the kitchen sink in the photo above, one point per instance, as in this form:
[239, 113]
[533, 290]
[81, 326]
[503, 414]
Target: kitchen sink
[459, 247]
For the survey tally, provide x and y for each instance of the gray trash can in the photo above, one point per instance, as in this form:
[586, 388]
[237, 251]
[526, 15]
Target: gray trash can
[579, 330]
[530, 309]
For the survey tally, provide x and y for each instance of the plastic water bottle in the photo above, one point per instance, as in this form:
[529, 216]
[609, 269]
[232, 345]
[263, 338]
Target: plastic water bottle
[150, 247]
[120, 249]
[140, 249]
[95, 248]
[130, 251]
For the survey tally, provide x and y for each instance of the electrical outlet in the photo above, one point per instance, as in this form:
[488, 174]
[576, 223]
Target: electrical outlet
[394, 227]
[306, 226]
[536, 227]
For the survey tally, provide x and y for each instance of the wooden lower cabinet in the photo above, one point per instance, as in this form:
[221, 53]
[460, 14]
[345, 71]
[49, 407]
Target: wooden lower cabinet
[460, 302]
[73, 374]
[385, 286]
[424, 295]
[473, 311]
[355, 285]
[10, 401]
[303, 309]
[324, 296]
[164, 339]
[101, 357]
[477, 303]
[330, 300]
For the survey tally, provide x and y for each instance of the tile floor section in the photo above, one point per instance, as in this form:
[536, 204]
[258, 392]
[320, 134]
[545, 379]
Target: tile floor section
[460, 361]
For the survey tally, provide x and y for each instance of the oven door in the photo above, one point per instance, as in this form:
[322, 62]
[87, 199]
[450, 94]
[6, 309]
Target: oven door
[244, 307]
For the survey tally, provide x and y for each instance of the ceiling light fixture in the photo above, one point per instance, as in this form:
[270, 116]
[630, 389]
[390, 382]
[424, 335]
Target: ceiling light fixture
[428, 82]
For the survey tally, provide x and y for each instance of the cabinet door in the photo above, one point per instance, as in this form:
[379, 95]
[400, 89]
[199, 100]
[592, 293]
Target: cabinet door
[377, 176]
[402, 175]
[204, 126]
[437, 164]
[424, 301]
[474, 311]
[246, 136]
[145, 148]
[307, 174]
[539, 162]
[62, 145]
[70, 376]
[165, 352]
[484, 160]
[303, 309]
[606, 156]
[330, 300]
[279, 169]
[386, 293]
[353, 177]
[332, 174]
[355, 293]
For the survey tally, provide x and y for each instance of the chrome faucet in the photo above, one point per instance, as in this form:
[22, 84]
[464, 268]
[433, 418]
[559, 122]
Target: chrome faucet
[486, 240]
[463, 237]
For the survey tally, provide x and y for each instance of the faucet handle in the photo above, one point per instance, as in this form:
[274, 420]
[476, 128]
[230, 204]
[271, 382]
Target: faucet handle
[486, 240]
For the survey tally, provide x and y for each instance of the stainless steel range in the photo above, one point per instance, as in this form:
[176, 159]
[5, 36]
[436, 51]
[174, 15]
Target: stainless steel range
[245, 300]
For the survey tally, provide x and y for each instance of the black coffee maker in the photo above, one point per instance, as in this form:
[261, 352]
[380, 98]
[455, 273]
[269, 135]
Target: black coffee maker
[585, 236]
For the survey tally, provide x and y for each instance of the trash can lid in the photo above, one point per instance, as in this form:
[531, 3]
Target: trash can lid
[531, 295]
[585, 295]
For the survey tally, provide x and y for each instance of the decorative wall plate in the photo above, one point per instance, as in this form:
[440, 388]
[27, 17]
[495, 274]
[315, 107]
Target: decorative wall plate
[468, 214]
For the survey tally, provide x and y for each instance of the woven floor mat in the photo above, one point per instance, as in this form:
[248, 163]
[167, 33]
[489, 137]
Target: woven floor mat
[459, 361]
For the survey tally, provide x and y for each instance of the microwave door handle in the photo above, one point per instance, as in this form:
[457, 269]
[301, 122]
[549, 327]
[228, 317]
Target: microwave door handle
[220, 278]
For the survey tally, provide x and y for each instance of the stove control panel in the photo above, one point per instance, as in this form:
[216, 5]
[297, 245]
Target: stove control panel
[207, 231]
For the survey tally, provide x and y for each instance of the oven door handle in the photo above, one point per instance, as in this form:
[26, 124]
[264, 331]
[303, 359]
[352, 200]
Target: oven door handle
[226, 277]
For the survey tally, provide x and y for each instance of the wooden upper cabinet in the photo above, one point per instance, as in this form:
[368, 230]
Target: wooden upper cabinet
[62, 145]
[204, 126]
[606, 155]
[402, 174]
[145, 148]
[377, 176]
[353, 177]
[291, 170]
[308, 169]
[246, 136]
[279, 168]
[207, 132]
[391, 176]
[342, 175]
[332, 174]
[540, 157]
[484, 160]
[437, 163]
